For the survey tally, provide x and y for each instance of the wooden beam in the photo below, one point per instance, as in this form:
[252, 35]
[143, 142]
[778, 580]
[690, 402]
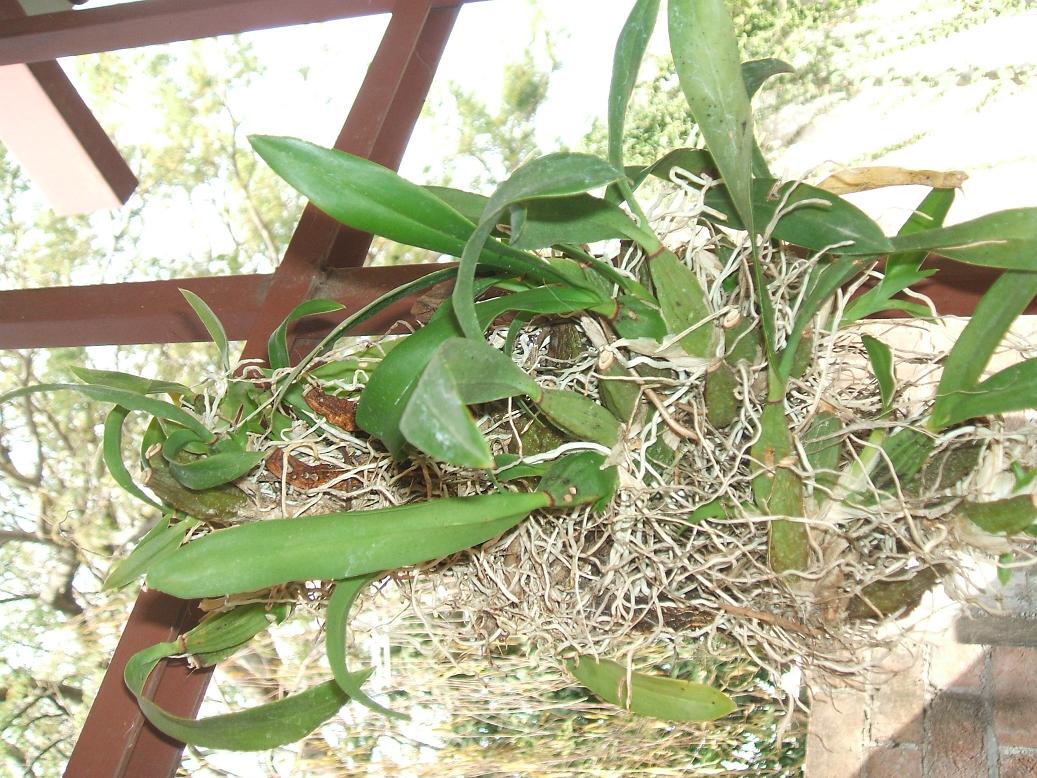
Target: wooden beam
[51, 132]
[150, 22]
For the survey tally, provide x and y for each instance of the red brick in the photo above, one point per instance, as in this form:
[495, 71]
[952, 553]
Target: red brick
[1014, 687]
[835, 738]
[956, 747]
[894, 763]
[1018, 765]
[896, 708]
[954, 665]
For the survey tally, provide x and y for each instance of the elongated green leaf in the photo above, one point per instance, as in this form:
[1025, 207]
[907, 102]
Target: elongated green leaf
[336, 545]
[669, 699]
[580, 416]
[630, 50]
[437, 422]
[705, 52]
[256, 729]
[555, 175]
[223, 634]
[385, 397]
[822, 444]
[128, 382]
[468, 204]
[778, 491]
[130, 400]
[576, 219]
[1008, 515]
[882, 365]
[212, 324]
[825, 221]
[336, 624]
[903, 455]
[1006, 299]
[111, 446]
[580, 478]
[483, 373]
[215, 470]
[277, 346]
[755, 73]
[1006, 239]
[902, 270]
[1011, 389]
[825, 279]
[683, 303]
[220, 503]
[696, 161]
[160, 541]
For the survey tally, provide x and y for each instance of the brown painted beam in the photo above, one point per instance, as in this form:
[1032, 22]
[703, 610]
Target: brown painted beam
[50, 130]
[137, 312]
[150, 22]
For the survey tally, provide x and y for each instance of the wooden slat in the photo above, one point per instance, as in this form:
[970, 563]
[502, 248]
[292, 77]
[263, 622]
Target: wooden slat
[150, 22]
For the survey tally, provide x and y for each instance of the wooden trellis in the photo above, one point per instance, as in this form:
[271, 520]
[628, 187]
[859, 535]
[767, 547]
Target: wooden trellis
[323, 259]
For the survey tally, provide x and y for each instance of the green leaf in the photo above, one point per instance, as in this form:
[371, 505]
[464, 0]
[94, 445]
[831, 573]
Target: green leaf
[277, 346]
[130, 400]
[1011, 389]
[580, 478]
[902, 270]
[256, 729]
[1004, 571]
[468, 204]
[995, 312]
[903, 455]
[215, 470]
[683, 303]
[696, 161]
[826, 220]
[756, 71]
[336, 545]
[1009, 515]
[882, 365]
[580, 416]
[160, 541]
[337, 621]
[705, 52]
[630, 50]
[1006, 239]
[111, 447]
[212, 324]
[577, 219]
[822, 444]
[221, 503]
[669, 699]
[778, 491]
[555, 175]
[824, 280]
[388, 391]
[231, 629]
[129, 383]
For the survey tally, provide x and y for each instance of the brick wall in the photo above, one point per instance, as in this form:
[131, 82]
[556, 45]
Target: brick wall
[937, 707]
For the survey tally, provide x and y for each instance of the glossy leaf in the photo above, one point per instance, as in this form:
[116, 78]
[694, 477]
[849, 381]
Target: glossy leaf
[577, 219]
[215, 470]
[683, 303]
[580, 416]
[129, 383]
[111, 448]
[705, 52]
[669, 699]
[882, 365]
[1006, 239]
[160, 541]
[755, 73]
[277, 345]
[555, 175]
[256, 729]
[130, 400]
[468, 204]
[336, 545]
[1011, 389]
[385, 397]
[213, 326]
[579, 479]
[902, 270]
[825, 221]
[995, 312]
[630, 50]
[337, 621]
[1008, 516]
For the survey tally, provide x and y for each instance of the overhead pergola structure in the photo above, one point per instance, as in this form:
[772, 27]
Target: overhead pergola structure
[323, 259]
